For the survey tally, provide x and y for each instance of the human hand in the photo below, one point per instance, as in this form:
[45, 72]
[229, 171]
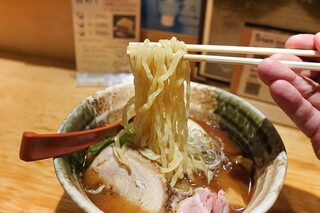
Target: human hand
[297, 92]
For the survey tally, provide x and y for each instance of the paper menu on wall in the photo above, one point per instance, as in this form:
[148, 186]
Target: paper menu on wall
[102, 31]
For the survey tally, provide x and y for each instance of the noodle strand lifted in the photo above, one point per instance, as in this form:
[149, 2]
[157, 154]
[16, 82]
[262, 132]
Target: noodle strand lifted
[161, 104]
[162, 81]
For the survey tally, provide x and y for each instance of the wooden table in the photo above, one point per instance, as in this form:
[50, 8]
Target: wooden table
[37, 96]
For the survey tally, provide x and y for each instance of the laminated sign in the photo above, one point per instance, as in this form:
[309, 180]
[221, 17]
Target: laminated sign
[245, 81]
[102, 31]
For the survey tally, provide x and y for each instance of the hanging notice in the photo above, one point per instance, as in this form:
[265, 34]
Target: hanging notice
[102, 32]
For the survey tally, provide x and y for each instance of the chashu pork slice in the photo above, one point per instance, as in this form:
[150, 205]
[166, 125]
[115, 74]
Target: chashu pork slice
[140, 182]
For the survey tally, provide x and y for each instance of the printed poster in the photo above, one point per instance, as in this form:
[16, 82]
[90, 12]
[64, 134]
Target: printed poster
[102, 32]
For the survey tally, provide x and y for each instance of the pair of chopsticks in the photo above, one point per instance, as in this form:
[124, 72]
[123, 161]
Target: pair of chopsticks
[246, 50]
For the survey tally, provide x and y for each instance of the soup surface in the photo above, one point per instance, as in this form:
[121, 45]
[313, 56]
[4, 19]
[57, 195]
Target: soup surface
[235, 178]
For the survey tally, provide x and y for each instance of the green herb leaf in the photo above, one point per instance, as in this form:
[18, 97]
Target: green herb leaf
[126, 138]
[101, 144]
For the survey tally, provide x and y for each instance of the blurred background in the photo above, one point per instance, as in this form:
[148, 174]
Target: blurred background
[91, 36]
[41, 29]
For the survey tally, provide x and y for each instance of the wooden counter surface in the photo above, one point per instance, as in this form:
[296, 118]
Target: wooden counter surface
[38, 96]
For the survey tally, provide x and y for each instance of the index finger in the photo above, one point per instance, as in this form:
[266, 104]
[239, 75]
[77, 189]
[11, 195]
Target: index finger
[301, 41]
[306, 42]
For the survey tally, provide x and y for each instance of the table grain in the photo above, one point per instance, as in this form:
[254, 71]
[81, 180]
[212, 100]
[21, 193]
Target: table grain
[36, 96]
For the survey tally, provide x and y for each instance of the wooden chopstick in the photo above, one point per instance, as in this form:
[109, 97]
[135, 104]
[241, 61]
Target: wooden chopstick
[249, 61]
[243, 50]
[246, 50]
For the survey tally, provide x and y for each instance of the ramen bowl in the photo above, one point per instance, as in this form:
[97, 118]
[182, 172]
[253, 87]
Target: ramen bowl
[253, 132]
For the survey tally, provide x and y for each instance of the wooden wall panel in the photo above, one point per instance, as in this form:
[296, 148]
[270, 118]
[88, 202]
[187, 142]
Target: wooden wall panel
[41, 28]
